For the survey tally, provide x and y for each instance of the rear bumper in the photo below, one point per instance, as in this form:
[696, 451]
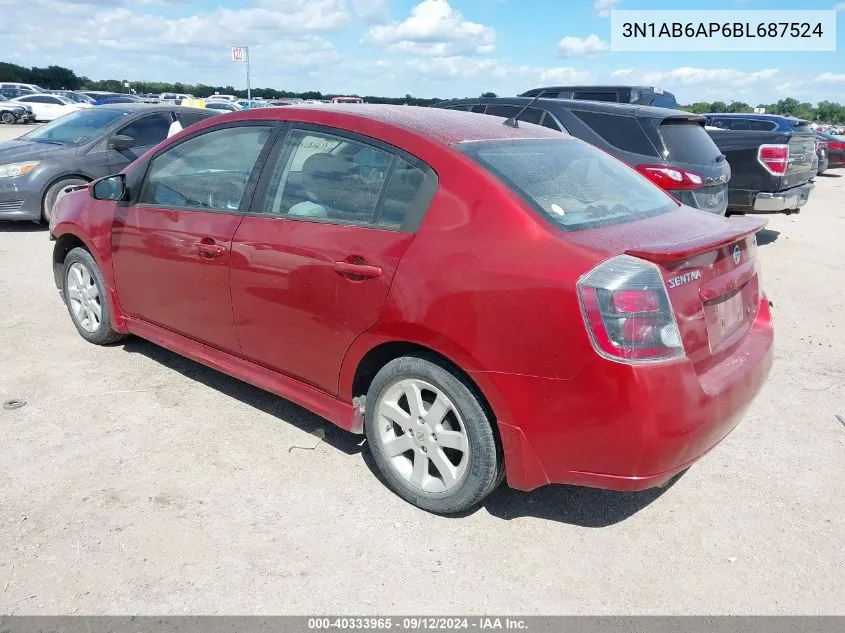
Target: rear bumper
[794, 198]
[625, 427]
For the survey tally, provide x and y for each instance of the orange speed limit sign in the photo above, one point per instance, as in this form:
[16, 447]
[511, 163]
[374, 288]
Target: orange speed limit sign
[238, 53]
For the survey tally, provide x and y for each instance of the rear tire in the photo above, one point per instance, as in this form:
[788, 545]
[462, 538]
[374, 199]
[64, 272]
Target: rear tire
[430, 436]
[54, 192]
[87, 301]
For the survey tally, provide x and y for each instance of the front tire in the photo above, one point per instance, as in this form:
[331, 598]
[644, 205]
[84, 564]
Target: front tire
[7, 117]
[86, 299]
[54, 192]
[430, 436]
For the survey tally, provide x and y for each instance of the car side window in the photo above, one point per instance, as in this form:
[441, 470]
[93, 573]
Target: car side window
[54, 101]
[149, 130]
[550, 122]
[738, 124]
[762, 126]
[623, 132]
[505, 111]
[208, 171]
[324, 177]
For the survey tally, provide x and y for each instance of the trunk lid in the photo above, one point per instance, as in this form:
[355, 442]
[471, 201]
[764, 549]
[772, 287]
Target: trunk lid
[710, 269]
[802, 151]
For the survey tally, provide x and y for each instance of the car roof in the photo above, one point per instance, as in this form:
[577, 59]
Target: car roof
[590, 106]
[146, 107]
[751, 115]
[446, 126]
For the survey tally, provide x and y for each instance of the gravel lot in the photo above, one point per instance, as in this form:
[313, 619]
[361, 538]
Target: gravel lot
[135, 481]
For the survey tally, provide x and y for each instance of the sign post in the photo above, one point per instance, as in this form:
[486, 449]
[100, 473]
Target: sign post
[241, 54]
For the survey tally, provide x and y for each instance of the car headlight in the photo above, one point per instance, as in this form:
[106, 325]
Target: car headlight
[17, 169]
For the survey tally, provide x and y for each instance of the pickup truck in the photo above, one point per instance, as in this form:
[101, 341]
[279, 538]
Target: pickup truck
[770, 171]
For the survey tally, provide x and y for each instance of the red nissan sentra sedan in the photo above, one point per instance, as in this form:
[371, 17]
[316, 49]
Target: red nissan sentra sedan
[482, 301]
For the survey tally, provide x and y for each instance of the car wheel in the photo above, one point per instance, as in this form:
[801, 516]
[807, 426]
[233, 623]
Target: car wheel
[56, 191]
[430, 436]
[7, 117]
[85, 295]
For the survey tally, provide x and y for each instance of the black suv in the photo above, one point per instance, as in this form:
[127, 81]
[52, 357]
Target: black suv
[640, 95]
[669, 147]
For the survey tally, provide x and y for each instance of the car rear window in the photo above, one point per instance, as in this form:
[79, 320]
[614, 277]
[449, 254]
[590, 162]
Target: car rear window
[623, 132]
[688, 142]
[571, 183]
[664, 101]
[802, 127]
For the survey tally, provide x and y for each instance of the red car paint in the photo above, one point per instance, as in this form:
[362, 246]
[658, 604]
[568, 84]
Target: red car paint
[484, 282]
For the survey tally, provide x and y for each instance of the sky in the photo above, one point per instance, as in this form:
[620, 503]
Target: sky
[427, 48]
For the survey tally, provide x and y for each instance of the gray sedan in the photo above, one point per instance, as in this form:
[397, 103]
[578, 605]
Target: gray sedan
[78, 148]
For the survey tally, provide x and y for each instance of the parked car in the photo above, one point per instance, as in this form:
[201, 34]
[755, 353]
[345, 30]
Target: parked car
[758, 122]
[47, 107]
[669, 147]
[13, 112]
[641, 95]
[821, 152]
[116, 98]
[24, 88]
[771, 171]
[76, 97]
[88, 143]
[600, 332]
[223, 106]
[835, 150]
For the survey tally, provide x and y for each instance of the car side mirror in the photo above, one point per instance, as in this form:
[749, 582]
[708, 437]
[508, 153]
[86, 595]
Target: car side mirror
[110, 188]
[119, 141]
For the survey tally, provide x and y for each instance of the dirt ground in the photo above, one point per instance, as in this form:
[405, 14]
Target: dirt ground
[134, 481]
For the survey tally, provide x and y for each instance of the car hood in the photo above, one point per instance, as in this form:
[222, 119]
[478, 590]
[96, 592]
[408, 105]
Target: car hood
[19, 150]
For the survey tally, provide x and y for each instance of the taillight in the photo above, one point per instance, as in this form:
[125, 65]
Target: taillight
[671, 178]
[627, 311]
[775, 158]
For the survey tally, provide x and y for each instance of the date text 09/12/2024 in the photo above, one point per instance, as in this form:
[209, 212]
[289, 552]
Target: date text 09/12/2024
[416, 624]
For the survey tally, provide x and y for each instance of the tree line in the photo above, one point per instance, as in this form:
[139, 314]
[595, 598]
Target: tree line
[59, 78]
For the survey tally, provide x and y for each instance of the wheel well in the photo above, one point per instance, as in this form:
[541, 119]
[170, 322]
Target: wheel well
[64, 245]
[379, 356]
[59, 179]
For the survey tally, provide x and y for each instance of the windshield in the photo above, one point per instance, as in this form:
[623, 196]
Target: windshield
[573, 184]
[78, 98]
[76, 127]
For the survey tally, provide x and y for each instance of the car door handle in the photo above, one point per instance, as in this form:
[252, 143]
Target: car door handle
[210, 250]
[357, 270]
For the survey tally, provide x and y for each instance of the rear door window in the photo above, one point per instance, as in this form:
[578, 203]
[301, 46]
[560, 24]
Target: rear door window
[571, 183]
[688, 142]
[623, 132]
[762, 126]
[505, 111]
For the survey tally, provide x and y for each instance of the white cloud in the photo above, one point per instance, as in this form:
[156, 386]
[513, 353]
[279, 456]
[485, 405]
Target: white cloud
[589, 46]
[604, 7]
[839, 7]
[623, 72]
[372, 10]
[831, 78]
[434, 28]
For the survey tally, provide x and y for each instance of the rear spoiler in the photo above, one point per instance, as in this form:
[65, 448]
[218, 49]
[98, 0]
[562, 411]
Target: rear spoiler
[739, 228]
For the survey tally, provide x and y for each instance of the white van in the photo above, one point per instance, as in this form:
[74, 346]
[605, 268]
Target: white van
[21, 87]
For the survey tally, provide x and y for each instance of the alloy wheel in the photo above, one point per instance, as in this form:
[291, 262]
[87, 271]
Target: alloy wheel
[84, 297]
[423, 436]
